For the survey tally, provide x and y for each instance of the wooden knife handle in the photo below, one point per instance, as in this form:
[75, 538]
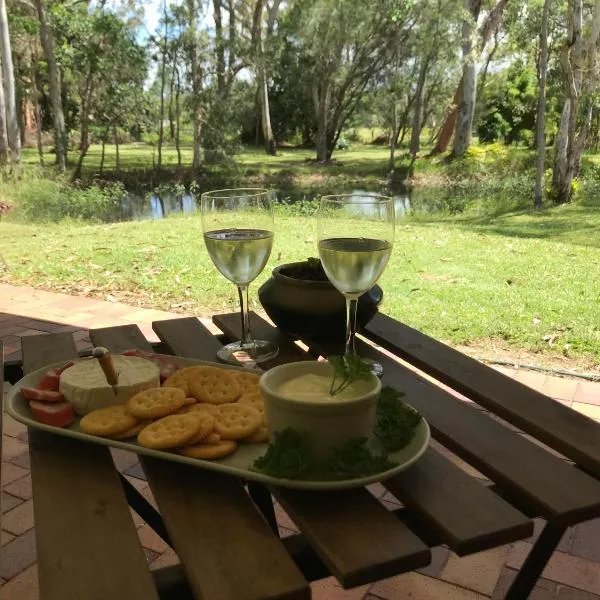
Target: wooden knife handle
[106, 363]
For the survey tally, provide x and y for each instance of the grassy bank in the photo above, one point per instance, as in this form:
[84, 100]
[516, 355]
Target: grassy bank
[527, 280]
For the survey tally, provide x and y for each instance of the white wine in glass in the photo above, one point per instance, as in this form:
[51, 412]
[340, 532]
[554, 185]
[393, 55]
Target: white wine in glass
[238, 233]
[355, 239]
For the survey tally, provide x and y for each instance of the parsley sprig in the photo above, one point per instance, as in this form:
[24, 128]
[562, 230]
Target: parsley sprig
[290, 456]
[395, 421]
[347, 370]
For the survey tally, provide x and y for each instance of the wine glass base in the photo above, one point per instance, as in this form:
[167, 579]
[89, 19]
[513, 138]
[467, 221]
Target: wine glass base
[376, 368]
[237, 353]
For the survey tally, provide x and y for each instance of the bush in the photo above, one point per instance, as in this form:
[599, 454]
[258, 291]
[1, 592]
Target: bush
[47, 200]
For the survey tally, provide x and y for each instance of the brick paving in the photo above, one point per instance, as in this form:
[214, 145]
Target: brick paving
[572, 574]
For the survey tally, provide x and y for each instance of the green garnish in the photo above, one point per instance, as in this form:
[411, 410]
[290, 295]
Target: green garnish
[396, 421]
[347, 370]
[289, 456]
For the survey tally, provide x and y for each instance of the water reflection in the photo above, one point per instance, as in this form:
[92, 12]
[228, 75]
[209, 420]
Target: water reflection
[155, 206]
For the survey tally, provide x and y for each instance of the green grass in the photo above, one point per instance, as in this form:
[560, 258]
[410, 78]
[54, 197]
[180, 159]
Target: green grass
[526, 279]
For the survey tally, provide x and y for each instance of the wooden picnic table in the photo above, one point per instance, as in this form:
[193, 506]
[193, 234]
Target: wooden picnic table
[542, 459]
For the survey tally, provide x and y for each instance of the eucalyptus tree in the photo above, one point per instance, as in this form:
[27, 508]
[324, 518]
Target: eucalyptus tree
[14, 134]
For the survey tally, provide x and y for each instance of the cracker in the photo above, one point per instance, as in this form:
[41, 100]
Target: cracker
[247, 381]
[209, 452]
[129, 433]
[252, 398]
[190, 400]
[107, 421]
[213, 385]
[156, 402]
[207, 424]
[211, 409]
[260, 436]
[236, 421]
[170, 431]
[178, 380]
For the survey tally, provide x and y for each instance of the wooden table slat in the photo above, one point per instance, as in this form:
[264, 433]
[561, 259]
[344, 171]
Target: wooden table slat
[553, 423]
[77, 499]
[335, 531]
[226, 547]
[544, 483]
[485, 520]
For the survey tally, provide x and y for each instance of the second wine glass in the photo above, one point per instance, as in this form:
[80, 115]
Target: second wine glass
[238, 233]
[355, 238]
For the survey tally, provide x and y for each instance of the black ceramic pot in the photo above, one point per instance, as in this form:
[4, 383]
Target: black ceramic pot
[312, 309]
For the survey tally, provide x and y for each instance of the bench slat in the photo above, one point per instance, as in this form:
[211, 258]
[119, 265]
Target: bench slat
[87, 545]
[567, 431]
[225, 546]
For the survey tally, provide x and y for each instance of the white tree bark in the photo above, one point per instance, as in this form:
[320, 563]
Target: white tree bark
[196, 73]
[415, 139]
[466, 108]
[12, 123]
[540, 124]
[60, 135]
[3, 132]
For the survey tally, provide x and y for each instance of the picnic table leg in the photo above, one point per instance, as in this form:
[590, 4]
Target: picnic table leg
[536, 562]
[261, 496]
[143, 508]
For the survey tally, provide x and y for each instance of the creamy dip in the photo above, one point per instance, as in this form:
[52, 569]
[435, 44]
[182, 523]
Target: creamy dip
[315, 388]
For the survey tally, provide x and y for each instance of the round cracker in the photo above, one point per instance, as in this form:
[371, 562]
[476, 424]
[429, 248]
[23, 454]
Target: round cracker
[260, 436]
[252, 398]
[156, 402]
[213, 385]
[211, 409]
[236, 421]
[247, 381]
[130, 432]
[207, 424]
[210, 451]
[170, 431]
[178, 380]
[107, 421]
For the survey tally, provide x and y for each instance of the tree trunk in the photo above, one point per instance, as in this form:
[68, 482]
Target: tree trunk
[196, 73]
[261, 78]
[561, 180]
[321, 100]
[118, 158]
[177, 115]
[171, 111]
[540, 125]
[14, 135]
[3, 131]
[219, 47]
[466, 108]
[447, 129]
[581, 82]
[392, 161]
[417, 123]
[85, 127]
[163, 76]
[35, 82]
[60, 135]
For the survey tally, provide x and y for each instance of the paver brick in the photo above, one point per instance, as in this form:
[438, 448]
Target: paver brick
[560, 389]
[567, 593]
[20, 488]
[586, 540]
[12, 472]
[18, 554]
[587, 392]
[414, 586]
[330, 589]
[20, 519]
[544, 589]
[22, 587]
[9, 502]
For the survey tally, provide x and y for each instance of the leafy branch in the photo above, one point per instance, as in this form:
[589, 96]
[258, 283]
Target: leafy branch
[347, 370]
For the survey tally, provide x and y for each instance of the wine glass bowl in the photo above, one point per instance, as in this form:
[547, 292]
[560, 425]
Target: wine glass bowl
[355, 240]
[238, 234]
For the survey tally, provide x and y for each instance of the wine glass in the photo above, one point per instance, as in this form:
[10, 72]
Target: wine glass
[238, 233]
[355, 237]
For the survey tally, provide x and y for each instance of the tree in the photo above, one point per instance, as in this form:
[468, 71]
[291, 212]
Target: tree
[14, 135]
[540, 125]
[60, 133]
[580, 69]
[3, 131]
[346, 44]
[196, 74]
[467, 88]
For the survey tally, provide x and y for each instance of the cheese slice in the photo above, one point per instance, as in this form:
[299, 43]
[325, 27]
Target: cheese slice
[84, 384]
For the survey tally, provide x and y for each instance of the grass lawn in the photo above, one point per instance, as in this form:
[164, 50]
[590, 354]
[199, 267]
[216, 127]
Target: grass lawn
[525, 280]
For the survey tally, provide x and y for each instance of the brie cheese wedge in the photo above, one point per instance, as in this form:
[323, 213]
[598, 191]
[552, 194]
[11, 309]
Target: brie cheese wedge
[85, 387]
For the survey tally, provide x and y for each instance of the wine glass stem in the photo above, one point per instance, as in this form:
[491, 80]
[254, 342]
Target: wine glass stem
[351, 306]
[246, 333]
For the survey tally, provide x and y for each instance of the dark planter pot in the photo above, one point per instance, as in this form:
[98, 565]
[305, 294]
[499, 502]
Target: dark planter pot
[312, 309]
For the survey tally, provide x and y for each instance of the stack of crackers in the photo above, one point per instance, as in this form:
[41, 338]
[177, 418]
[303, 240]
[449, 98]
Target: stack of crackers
[200, 412]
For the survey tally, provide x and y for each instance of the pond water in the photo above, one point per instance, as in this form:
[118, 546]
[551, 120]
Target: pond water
[154, 206]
